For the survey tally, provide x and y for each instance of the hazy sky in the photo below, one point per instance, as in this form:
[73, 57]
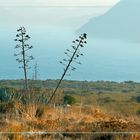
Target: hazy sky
[52, 12]
[58, 2]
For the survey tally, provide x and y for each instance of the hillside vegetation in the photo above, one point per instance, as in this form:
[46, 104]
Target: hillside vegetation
[96, 110]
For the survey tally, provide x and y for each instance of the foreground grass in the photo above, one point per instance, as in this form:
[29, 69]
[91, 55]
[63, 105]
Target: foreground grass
[87, 118]
[96, 115]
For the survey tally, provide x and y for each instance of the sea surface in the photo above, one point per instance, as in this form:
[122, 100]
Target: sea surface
[109, 60]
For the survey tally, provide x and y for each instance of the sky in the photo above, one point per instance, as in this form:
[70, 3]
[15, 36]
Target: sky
[70, 13]
[57, 2]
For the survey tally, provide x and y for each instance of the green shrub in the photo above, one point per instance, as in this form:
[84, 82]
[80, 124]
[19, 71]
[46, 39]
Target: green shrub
[3, 95]
[136, 98]
[69, 99]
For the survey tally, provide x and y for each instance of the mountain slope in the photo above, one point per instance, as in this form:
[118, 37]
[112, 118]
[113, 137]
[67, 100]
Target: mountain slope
[121, 22]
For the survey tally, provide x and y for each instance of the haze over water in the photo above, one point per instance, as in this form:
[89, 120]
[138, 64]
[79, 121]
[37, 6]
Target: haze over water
[113, 60]
[104, 59]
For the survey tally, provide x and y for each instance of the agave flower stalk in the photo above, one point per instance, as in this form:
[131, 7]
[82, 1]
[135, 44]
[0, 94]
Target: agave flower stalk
[23, 47]
[72, 57]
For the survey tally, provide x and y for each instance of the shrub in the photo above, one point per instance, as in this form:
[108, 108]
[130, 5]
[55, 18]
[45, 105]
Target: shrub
[137, 99]
[3, 95]
[69, 99]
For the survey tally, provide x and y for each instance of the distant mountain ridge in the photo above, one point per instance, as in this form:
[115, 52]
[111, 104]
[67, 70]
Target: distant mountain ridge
[121, 22]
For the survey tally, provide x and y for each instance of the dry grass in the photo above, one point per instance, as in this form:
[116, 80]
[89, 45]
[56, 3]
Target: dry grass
[36, 118]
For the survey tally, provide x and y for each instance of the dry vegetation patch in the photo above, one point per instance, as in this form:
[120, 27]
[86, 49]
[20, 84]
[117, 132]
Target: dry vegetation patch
[72, 119]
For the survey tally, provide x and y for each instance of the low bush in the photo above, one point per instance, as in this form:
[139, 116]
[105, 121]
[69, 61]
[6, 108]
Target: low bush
[69, 99]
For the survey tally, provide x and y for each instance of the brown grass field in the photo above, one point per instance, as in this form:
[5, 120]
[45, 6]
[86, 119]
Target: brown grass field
[94, 115]
[86, 122]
